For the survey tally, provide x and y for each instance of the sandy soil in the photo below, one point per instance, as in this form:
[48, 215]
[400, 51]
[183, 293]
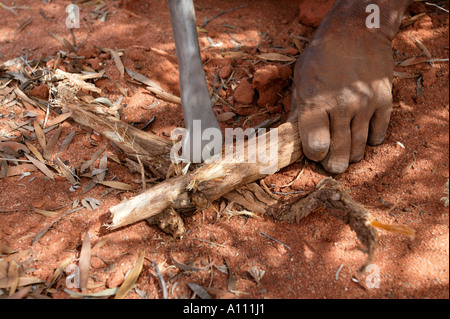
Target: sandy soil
[400, 182]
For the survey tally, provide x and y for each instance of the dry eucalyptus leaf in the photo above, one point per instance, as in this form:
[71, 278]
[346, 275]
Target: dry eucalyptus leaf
[66, 172]
[39, 134]
[199, 290]
[275, 57]
[85, 261]
[88, 163]
[422, 47]
[256, 274]
[35, 152]
[404, 75]
[59, 119]
[15, 146]
[117, 60]
[117, 185]
[6, 250]
[65, 144]
[408, 62]
[90, 203]
[41, 166]
[131, 279]
[235, 54]
[103, 166]
[48, 150]
[20, 169]
[220, 293]
[13, 277]
[142, 78]
[46, 213]
[183, 266]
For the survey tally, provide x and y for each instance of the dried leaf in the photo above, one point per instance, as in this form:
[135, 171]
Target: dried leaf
[3, 168]
[90, 203]
[41, 233]
[89, 185]
[59, 119]
[22, 293]
[404, 75]
[39, 134]
[413, 19]
[117, 60]
[35, 152]
[15, 146]
[20, 169]
[422, 47]
[94, 156]
[298, 44]
[256, 274]
[41, 166]
[46, 213]
[25, 98]
[6, 250]
[220, 293]
[64, 42]
[65, 144]
[48, 150]
[131, 279]
[408, 62]
[235, 54]
[24, 24]
[117, 185]
[103, 165]
[103, 293]
[103, 100]
[142, 78]
[13, 277]
[85, 261]
[275, 57]
[22, 281]
[102, 242]
[66, 172]
[183, 266]
[231, 278]
[153, 87]
[200, 291]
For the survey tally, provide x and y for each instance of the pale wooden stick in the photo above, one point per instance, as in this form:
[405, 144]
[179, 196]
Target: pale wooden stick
[206, 184]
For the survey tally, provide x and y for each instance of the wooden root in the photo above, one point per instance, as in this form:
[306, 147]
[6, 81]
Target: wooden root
[228, 178]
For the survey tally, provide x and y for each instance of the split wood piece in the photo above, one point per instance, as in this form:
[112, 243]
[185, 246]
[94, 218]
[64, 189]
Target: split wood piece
[129, 139]
[211, 181]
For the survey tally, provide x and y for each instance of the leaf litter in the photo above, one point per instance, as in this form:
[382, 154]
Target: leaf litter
[56, 164]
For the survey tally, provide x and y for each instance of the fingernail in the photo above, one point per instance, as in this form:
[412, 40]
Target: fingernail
[335, 167]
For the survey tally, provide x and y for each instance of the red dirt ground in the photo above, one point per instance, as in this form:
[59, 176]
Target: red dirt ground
[400, 182]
